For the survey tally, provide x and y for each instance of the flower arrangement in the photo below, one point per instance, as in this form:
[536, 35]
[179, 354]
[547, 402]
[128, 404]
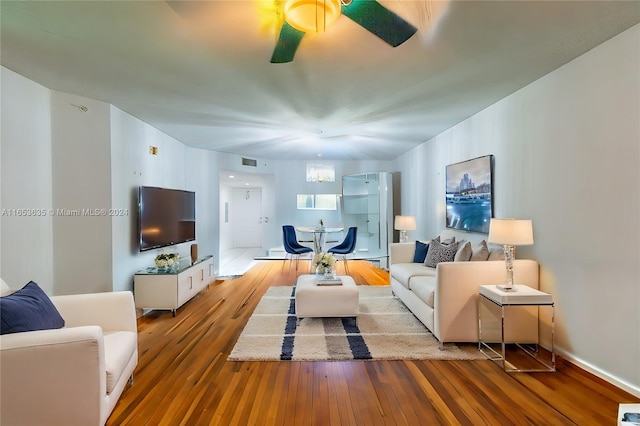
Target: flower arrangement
[324, 261]
[165, 260]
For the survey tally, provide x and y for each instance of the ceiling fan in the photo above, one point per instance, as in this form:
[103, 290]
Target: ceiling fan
[302, 16]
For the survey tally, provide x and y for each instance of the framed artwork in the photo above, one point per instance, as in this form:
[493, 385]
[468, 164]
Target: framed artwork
[469, 194]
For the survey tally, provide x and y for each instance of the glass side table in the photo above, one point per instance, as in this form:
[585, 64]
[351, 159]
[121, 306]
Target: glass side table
[491, 326]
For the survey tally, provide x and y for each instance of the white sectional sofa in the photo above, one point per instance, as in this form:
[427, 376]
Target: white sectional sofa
[445, 298]
[72, 375]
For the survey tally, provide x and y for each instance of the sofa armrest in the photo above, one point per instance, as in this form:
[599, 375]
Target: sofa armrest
[456, 294]
[401, 252]
[113, 311]
[53, 376]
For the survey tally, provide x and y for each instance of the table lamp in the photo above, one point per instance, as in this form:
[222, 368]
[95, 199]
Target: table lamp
[510, 233]
[404, 224]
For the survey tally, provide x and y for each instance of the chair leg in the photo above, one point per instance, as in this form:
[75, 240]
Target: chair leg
[290, 256]
[346, 265]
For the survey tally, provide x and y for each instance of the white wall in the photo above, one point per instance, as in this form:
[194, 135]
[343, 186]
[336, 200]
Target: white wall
[134, 166]
[81, 170]
[57, 157]
[26, 241]
[203, 178]
[567, 156]
[175, 166]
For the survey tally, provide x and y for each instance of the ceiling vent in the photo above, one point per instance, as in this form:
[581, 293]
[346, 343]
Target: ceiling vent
[249, 162]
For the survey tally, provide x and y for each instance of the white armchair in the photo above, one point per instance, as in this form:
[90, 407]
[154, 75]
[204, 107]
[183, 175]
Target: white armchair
[72, 375]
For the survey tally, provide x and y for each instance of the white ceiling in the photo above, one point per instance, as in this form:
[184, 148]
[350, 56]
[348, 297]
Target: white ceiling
[205, 77]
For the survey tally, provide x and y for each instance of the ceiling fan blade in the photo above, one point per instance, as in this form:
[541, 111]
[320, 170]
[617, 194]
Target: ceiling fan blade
[380, 21]
[288, 42]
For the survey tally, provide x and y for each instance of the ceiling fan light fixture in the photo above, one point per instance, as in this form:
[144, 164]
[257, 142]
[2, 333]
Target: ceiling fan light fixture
[312, 15]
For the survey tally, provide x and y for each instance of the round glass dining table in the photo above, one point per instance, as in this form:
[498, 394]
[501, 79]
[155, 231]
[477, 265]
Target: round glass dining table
[319, 236]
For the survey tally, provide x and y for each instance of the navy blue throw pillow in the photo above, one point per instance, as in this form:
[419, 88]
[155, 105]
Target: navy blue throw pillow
[421, 252]
[28, 309]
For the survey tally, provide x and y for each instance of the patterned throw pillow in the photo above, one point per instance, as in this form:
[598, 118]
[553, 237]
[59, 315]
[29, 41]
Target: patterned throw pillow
[439, 252]
[447, 241]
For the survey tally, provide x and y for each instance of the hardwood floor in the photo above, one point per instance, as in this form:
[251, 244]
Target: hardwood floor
[183, 377]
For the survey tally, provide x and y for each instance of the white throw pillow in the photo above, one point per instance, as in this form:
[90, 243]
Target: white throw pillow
[464, 252]
[480, 252]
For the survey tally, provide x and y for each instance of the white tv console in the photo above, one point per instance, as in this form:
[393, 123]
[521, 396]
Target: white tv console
[159, 288]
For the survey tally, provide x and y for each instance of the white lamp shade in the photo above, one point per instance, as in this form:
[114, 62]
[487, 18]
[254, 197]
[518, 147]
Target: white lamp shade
[512, 232]
[405, 223]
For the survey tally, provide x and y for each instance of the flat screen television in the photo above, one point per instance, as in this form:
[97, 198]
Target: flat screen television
[469, 194]
[165, 217]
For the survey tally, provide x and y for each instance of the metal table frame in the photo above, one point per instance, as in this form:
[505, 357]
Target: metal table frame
[530, 350]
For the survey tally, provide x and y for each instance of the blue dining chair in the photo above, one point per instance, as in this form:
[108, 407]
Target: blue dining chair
[292, 246]
[347, 246]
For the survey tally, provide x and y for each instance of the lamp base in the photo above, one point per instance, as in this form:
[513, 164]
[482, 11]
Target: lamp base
[403, 236]
[505, 288]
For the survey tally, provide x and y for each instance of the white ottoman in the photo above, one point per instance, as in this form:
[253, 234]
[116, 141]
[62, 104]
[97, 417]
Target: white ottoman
[326, 301]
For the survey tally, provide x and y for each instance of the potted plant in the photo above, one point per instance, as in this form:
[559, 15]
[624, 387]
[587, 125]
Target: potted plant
[324, 263]
[167, 260]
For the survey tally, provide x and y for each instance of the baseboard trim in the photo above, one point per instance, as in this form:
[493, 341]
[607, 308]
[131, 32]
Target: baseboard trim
[628, 387]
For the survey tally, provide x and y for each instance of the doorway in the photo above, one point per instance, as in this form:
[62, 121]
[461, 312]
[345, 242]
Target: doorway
[244, 220]
[247, 218]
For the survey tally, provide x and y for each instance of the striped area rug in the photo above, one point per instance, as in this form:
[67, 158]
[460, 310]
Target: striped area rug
[385, 329]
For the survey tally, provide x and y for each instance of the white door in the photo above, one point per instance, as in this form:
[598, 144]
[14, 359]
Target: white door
[246, 217]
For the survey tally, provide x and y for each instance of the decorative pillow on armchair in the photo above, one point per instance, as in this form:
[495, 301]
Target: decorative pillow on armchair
[439, 252]
[28, 309]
